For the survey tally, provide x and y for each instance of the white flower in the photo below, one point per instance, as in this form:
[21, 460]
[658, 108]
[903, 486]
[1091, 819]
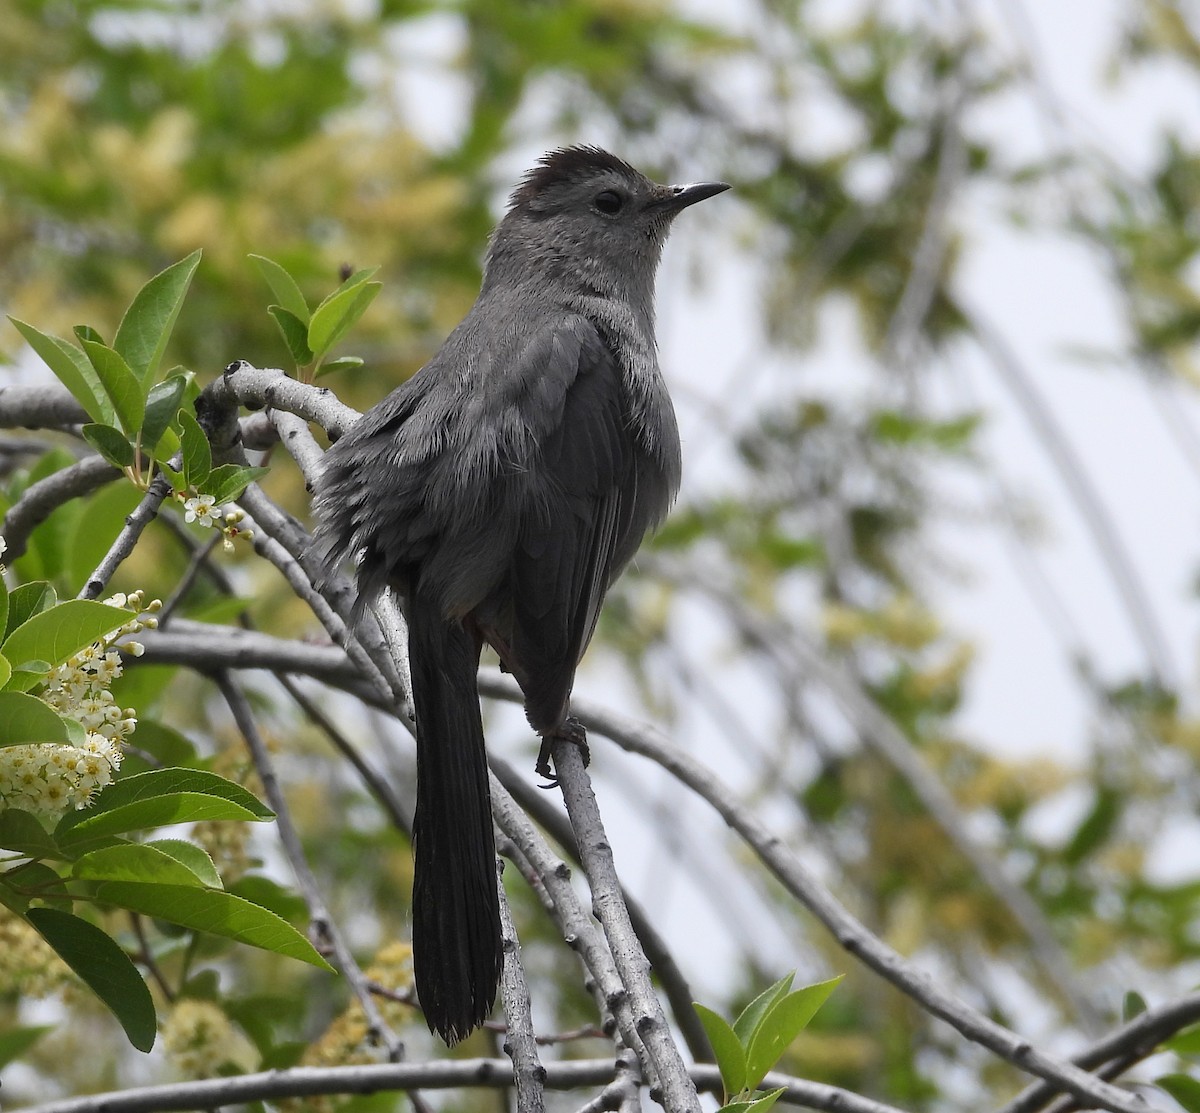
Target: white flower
[108, 668]
[201, 509]
[3, 546]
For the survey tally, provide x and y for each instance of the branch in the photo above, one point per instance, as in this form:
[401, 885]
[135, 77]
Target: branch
[46, 495]
[444, 1074]
[255, 388]
[848, 931]
[519, 1042]
[671, 979]
[1129, 1044]
[551, 881]
[334, 604]
[47, 406]
[640, 738]
[143, 514]
[322, 924]
[207, 648]
[889, 741]
[678, 1093]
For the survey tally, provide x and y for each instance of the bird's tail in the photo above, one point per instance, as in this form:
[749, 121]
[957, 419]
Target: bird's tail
[457, 952]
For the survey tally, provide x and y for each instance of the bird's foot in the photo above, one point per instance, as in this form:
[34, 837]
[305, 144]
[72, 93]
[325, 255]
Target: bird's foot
[570, 730]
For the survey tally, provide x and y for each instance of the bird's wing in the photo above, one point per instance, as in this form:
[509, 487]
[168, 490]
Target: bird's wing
[582, 501]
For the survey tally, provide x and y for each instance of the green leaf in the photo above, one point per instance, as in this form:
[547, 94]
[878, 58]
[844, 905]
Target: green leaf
[228, 481]
[295, 334]
[782, 1023]
[16, 1041]
[146, 327]
[213, 912]
[267, 893]
[26, 601]
[72, 368]
[86, 332]
[197, 455]
[1183, 1088]
[731, 1055]
[22, 833]
[161, 811]
[26, 719]
[120, 384]
[284, 287]
[1186, 1042]
[144, 863]
[62, 631]
[3, 610]
[168, 444]
[5, 671]
[104, 967]
[175, 478]
[158, 797]
[761, 1105]
[902, 428]
[37, 881]
[1095, 827]
[111, 443]
[193, 857]
[160, 782]
[1133, 1004]
[162, 404]
[335, 316]
[752, 1014]
[343, 363]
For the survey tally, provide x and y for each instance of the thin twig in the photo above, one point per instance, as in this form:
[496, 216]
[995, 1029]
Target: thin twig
[143, 514]
[519, 1043]
[541, 806]
[648, 741]
[846, 929]
[322, 923]
[281, 540]
[550, 879]
[1129, 1044]
[196, 564]
[146, 957]
[372, 778]
[623, 1093]
[678, 1092]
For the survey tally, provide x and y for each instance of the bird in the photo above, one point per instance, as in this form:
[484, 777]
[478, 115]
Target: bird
[499, 493]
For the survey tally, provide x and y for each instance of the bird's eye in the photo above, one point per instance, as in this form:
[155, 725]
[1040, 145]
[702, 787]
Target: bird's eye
[609, 201]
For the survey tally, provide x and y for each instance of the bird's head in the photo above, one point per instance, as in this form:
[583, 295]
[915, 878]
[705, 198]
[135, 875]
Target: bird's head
[583, 208]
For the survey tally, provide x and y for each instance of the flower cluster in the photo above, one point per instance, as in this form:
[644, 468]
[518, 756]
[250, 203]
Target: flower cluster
[50, 778]
[203, 510]
[202, 1042]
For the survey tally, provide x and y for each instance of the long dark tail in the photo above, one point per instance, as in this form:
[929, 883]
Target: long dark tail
[457, 951]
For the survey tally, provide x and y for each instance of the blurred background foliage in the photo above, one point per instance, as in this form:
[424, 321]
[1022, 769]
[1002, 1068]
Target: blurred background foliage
[331, 134]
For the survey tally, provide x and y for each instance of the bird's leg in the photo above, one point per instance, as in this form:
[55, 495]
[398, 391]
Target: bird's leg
[569, 730]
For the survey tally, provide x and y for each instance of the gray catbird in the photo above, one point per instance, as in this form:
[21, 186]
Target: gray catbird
[499, 492]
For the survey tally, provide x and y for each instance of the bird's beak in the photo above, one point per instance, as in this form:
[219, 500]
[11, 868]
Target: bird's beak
[681, 196]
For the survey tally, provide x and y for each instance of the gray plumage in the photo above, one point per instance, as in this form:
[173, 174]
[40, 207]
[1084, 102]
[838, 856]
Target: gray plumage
[500, 492]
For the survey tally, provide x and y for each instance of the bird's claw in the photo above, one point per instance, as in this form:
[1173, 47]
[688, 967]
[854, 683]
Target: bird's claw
[571, 730]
